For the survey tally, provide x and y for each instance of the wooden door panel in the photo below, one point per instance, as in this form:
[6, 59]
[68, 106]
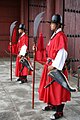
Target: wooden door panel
[35, 7]
[72, 28]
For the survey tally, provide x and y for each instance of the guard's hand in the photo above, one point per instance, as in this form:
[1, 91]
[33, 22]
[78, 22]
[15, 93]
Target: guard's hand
[34, 48]
[20, 58]
[19, 55]
[10, 43]
[50, 68]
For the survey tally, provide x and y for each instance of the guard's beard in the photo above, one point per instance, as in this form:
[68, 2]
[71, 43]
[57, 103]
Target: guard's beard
[20, 34]
[57, 27]
[54, 30]
[52, 33]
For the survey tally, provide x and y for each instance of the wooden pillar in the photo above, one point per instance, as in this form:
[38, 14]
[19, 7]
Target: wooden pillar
[50, 9]
[59, 6]
[63, 8]
[26, 17]
[22, 11]
[50, 12]
[26, 13]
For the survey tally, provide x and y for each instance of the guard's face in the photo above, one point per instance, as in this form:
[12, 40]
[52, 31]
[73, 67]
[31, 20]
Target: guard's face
[20, 31]
[53, 26]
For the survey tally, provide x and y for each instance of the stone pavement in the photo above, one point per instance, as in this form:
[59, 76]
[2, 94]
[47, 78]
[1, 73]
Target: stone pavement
[16, 99]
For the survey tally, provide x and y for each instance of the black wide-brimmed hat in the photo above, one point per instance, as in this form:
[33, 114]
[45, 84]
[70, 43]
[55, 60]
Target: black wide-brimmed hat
[56, 19]
[22, 26]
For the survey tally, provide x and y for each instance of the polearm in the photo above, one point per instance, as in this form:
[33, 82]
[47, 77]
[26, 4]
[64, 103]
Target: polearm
[36, 25]
[11, 33]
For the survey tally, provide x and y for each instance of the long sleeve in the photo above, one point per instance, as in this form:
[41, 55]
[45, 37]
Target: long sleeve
[23, 50]
[60, 59]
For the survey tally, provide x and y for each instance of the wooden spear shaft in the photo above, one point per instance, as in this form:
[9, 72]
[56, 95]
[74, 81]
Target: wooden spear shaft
[36, 25]
[33, 77]
[11, 33]
[11, 61]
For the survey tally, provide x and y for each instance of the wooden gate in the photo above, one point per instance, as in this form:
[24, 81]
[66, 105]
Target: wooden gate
[72, 28]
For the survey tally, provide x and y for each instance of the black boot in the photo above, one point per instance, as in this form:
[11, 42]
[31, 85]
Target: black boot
[59, 112]
[60, 108]
[19, 79]
[49, 107]
[23, 79]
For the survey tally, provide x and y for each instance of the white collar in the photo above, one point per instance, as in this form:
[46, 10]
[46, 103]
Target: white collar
[22, 34]
[58, 30]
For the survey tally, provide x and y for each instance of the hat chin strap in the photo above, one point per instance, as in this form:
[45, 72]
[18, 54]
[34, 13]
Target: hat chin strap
[55, 29]
[58, 26]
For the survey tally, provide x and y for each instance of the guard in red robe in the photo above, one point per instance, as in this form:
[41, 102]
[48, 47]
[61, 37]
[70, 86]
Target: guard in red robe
[22, 47]
[55, 95]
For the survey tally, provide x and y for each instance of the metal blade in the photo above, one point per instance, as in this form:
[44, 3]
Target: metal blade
[37, 21]
[11, 28]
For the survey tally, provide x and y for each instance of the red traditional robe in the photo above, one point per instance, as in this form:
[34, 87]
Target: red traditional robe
[55, 94]
[23, 40]
[14, 43]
